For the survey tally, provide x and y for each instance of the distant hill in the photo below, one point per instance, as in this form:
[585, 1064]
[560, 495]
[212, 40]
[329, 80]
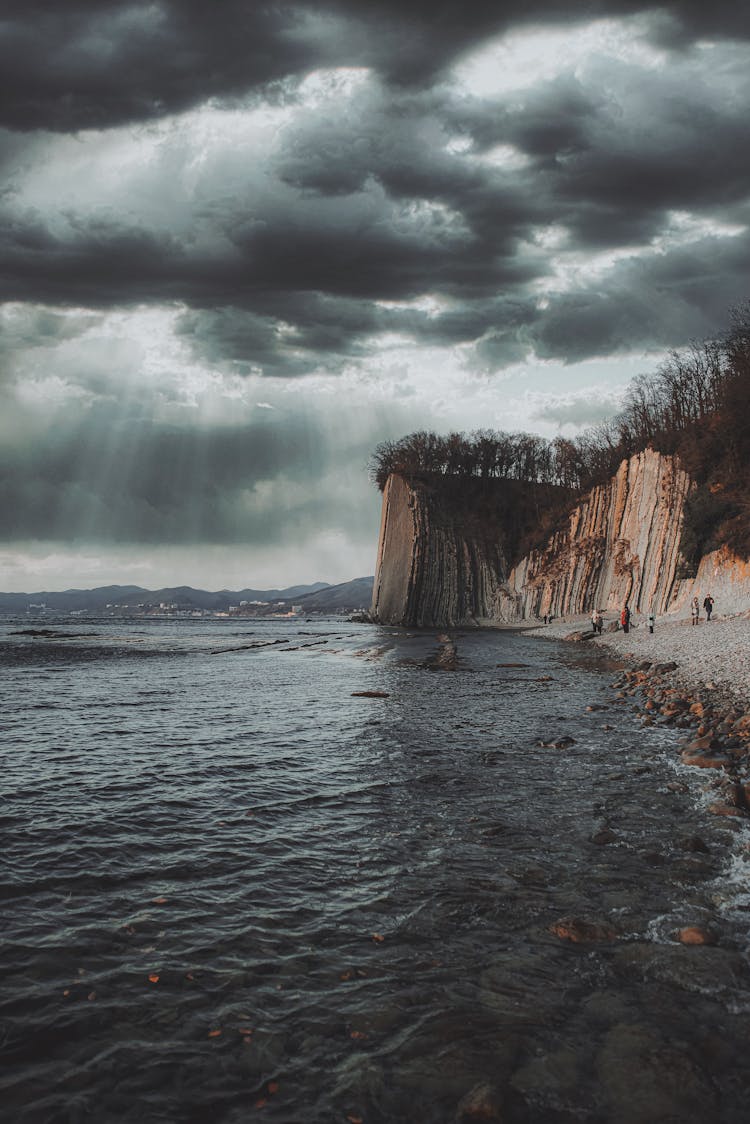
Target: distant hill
[132, 596]
[346, 597]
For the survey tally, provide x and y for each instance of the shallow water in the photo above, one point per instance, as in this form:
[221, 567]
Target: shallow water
[233, 890]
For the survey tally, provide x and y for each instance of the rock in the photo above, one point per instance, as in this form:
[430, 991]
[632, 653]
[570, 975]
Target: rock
[663, 668]
[706, 741]
[559, 743]
[704, 760]
[693, 843]
[443, 549]
[719, 809]
[371, 694]
[676, 706]
[696, 934]
[550, 1078]
[581, 931]
[603, 836]
[713, 970]
[644, 1078]
[737, 796]
[480, 1103]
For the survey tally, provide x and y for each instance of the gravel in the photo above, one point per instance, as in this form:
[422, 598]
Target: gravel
[713, 654]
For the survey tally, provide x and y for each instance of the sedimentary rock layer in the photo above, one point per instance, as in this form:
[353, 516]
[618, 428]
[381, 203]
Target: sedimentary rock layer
[442, 561]
[620, 546]
[436, 564]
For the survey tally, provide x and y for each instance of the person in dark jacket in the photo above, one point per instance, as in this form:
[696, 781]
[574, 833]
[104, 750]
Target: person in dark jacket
[708, 605]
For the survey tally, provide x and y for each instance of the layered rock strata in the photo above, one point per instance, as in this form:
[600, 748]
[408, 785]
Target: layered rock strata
[620, 546]
[442, 562]
[435, 566]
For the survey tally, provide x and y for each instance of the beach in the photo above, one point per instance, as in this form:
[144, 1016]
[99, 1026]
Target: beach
[710, 655]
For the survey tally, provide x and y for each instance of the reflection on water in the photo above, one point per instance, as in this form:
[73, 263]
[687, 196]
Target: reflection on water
[234, 890]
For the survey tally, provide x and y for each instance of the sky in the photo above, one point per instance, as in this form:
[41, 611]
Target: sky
[243, 243]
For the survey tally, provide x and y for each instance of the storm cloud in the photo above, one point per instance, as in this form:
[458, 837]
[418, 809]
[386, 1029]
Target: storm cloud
[241, 244]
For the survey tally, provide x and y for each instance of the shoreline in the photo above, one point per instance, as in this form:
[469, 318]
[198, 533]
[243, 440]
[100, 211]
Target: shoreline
[708, 656]
[692, 677]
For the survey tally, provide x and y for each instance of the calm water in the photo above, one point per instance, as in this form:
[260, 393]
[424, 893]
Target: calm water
[233, 891]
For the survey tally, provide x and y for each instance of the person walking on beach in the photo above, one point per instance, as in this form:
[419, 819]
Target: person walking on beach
[708, 604]
[625, 619]
[651, 620]
[695, 610]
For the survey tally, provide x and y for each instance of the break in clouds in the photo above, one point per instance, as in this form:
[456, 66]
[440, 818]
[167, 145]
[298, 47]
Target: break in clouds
[241, 245]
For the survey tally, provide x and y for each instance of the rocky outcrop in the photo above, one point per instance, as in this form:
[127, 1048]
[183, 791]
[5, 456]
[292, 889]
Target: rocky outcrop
[442, 562]
[436, 566]
[620, 546]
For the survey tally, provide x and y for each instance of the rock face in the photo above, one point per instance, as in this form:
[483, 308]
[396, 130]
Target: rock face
[621, 546]
[441, 564]
[435, 566]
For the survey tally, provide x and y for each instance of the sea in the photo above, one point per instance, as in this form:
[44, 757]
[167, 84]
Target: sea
[314, 871]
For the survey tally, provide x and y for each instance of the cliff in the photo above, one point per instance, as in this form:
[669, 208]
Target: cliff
[437, 563]
[444, 562]
[620, 546]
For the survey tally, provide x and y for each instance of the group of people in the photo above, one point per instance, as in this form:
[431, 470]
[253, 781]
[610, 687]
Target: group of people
[597, 618]
[695, 610]
[625, 617]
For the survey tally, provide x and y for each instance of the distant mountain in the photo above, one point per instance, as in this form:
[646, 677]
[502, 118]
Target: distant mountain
[132, 596]
[346, 597]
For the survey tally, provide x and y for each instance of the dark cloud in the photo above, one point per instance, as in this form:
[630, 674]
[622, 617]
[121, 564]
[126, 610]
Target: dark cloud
[95, 64]
[92, 65]
[660, 301]
[365, 200]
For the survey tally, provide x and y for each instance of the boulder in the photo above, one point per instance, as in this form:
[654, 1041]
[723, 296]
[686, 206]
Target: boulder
[582, 931]
[704, 760]
[558, 743]
[696, 934]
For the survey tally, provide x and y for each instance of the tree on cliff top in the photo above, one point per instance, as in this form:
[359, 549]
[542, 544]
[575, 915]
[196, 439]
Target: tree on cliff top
[693, 406]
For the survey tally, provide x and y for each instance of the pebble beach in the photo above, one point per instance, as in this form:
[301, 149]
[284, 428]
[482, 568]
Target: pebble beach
[712, 654]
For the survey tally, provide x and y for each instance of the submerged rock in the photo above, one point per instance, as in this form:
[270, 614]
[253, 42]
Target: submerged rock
[558, 743]
[480, 1103]
[646, 1079]
[696, 934]
[582, 931]
[602, 836]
